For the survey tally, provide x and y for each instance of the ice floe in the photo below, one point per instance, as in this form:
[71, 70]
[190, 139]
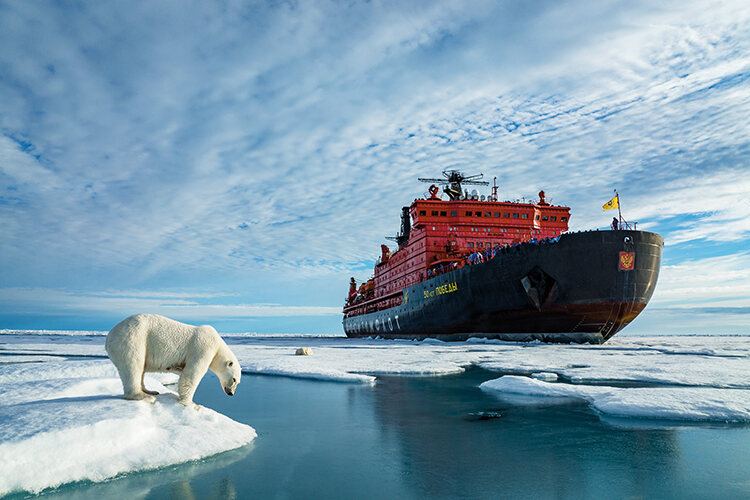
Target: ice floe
[67, 421]
[671, 403]
[689, 361]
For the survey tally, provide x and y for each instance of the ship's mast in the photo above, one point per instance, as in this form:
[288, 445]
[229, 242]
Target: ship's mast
[453, 179]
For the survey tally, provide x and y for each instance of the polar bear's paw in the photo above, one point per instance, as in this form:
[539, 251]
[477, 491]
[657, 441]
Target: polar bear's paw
[189, 404]
[142, 397]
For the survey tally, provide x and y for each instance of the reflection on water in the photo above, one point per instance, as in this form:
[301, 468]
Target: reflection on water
[466, 441]
[437, 437]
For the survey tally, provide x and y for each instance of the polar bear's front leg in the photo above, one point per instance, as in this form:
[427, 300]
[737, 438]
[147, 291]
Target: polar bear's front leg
[189, 379]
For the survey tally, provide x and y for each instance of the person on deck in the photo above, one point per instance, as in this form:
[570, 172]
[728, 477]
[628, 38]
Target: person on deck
[615, 223]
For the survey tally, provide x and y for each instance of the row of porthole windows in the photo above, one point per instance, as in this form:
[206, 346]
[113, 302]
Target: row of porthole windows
[480, 244]
[482, 229]
[389, 323]
[552, 218]
[515, 215]
[437, 213]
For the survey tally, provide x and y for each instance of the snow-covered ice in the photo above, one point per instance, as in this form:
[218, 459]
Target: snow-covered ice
[707, 361]
[672, 403]
[45, 401]
[67, 421]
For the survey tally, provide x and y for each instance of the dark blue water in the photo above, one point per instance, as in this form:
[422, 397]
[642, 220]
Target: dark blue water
[439, 437]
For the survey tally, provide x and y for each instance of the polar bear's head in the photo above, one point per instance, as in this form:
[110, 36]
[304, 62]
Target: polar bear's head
[227, 368]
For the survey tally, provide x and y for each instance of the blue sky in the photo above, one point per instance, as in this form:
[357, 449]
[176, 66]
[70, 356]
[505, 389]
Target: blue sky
[234, 163]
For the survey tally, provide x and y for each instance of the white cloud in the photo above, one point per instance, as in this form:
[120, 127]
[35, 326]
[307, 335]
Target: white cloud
[182, 305]
[714, 281]
[170, 145]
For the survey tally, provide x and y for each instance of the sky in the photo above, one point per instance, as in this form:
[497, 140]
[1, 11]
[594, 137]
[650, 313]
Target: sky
[234, 163]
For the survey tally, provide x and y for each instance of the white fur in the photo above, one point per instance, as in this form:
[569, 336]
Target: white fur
[152, 343]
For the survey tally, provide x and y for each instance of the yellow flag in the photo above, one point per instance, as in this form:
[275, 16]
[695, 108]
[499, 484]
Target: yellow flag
[613, 203]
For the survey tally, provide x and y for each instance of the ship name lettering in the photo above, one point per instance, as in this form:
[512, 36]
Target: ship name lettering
[447, 288]
[440, 290]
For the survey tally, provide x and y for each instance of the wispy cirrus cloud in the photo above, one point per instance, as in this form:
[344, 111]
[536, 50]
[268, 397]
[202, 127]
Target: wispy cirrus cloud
[266, 149]
[180, 304]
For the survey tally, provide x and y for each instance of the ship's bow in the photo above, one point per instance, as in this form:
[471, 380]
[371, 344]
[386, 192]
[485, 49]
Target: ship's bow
[615, 279]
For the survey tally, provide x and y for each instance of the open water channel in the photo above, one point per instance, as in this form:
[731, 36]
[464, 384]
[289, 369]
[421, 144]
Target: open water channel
[438, 437]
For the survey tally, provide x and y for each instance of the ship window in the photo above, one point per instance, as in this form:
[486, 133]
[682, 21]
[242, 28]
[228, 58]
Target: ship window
[454, 213]
[515, 215]
[434, 212]
[553, 218]
[524, 216]
[442, 214]
[478, 214]
[423, 212]
[479, 244]
[488, 214]
[471, 244]
[497, 214]
[563, 219]
[433, 228]
[468, 214]
[544, 217]
[537, 217]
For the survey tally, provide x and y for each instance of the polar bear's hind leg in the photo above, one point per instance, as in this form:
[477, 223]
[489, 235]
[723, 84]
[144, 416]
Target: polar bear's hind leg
[131, 373]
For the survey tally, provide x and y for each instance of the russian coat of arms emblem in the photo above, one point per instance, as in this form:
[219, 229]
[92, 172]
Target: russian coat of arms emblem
[627, 261]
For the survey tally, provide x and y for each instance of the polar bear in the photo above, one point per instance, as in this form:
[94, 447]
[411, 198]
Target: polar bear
[152, 343]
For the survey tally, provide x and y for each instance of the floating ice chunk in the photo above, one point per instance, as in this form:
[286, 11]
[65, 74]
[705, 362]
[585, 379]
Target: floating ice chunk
[352, 361]
[546, 376]
[672, 403]
[58, 429]
[86, 431]
[655, 360]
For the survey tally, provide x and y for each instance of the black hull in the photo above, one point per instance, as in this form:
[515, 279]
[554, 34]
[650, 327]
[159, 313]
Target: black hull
[572, 290]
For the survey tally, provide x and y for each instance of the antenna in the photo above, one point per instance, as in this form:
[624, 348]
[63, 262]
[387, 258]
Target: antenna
[452, 180]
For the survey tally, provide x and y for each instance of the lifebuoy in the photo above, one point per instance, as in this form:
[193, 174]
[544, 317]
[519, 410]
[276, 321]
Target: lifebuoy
[433, 191]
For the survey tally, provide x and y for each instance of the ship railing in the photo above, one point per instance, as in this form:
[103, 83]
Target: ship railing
[370, 302]
[490, 253]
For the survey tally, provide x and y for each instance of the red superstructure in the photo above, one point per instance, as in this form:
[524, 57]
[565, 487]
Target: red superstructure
[439, 235]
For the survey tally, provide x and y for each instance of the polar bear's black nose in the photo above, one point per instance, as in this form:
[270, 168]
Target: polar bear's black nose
[229, 392]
